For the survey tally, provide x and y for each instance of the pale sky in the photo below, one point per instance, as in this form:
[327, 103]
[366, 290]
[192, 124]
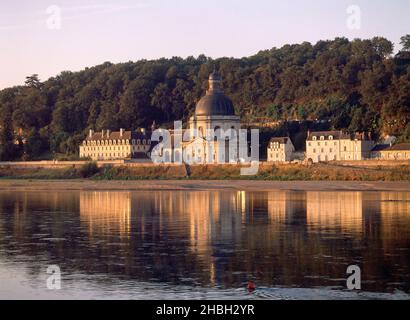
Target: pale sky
[92, 31]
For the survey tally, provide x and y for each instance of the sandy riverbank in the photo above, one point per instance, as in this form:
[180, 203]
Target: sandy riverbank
[44, 185]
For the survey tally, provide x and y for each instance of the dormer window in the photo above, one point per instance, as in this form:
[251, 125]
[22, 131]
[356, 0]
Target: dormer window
[330, 137]
[314, 138]
[322, 138]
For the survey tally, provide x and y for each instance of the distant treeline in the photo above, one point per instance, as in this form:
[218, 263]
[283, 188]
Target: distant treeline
[354, 85]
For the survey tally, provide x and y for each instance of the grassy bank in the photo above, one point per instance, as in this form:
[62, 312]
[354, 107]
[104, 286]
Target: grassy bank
[294, 172]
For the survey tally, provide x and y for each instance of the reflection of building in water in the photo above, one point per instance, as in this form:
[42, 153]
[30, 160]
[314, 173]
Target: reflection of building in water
[394, 209]
[284, 205]
[24, 203]
[204, 218]
[341, 211]
[106, 212]
[210, 215]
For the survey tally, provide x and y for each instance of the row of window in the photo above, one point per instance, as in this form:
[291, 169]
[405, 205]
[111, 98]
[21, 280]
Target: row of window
[318, 143]
[322, 138]
[104, 148]
[115, 142]
[276, 146]
[331, 150]
[323, 150]
[109, 155]
[116, 148]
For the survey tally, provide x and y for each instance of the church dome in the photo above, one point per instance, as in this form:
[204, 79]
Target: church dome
[215, 103]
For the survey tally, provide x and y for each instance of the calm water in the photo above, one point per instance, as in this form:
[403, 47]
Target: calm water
[195, 245]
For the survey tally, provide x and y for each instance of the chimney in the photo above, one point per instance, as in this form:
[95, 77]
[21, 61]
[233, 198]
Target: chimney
[102, 133]
[91, 133]
[108, 133]
[121, 132]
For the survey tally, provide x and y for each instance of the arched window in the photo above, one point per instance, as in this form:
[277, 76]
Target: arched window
[201, 131]
[217, 132]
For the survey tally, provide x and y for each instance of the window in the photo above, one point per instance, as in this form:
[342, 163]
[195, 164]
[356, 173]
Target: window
[314, 138]
[330, 137]
[322, 138]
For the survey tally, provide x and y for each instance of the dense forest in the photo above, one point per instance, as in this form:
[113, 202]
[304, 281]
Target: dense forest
[353, 85]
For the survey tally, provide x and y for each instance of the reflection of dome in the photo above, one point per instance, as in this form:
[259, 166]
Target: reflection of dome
[215, 103]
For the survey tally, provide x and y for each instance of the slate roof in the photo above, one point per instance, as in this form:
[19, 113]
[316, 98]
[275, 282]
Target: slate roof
[399, 147]
[116, 135]
[281, 140]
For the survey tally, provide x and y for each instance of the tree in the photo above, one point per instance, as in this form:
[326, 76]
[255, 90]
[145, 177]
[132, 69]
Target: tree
[33, 81]
[8, 147]
[382, 46]
[355, 85]
[405, 42]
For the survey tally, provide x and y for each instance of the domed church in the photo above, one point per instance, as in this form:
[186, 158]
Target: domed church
[215, 110]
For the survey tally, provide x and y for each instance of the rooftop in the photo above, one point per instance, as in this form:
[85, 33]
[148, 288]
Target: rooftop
[338, 135]
[281, 140]
[116, 135]
[400, 147]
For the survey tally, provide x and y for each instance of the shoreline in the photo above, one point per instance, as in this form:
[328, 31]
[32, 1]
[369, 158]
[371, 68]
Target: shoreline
[199, 185]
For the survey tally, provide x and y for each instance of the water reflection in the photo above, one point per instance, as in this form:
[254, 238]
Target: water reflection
[207, 239]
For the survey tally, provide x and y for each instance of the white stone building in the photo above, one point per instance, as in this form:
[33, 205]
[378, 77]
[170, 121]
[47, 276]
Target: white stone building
[214, 111]
[117, 145]
[280, 149]
[326, 146]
